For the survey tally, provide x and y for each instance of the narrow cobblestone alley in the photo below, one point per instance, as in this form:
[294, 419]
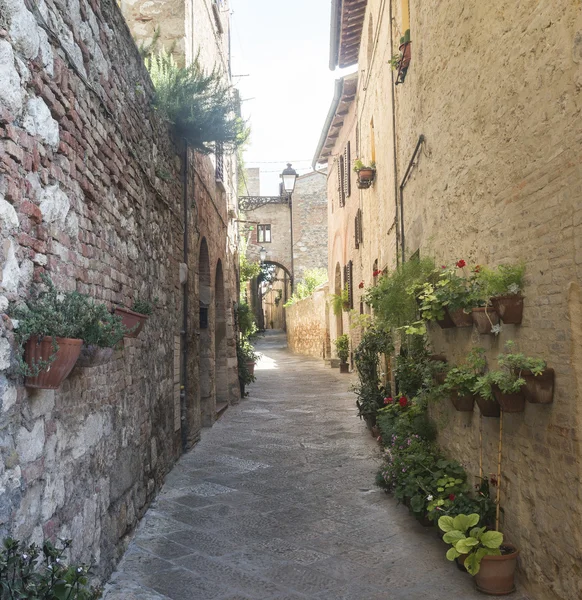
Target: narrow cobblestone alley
[278, 501]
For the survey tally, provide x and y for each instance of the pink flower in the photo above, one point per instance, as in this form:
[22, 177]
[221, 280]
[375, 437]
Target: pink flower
[388, 400]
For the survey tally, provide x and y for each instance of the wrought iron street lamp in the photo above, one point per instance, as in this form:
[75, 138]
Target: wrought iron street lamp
[289, 177]
[263, 254]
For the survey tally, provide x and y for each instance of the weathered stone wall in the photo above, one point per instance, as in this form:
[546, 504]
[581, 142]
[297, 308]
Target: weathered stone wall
[91, 191]
[307, 325]
[498, 180]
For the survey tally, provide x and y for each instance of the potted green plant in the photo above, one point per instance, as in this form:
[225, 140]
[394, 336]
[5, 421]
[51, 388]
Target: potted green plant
[246, 360]
[340, 302]
[133, 319]
[486, 557]
[102, 333]
[486, 401]
[460, 380]
[51, 326]
[504, 286]
[366, 173]
[342, 346]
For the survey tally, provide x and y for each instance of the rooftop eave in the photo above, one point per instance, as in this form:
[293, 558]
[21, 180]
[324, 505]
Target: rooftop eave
[347, 22]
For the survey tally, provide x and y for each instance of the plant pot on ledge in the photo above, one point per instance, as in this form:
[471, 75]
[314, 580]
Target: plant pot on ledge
[463, 403]
[509, 308]
[446, 322]
[496, 574]
[485, 319]
[344, 367]
[366, 178]
[539, 389]
[510, 403]
[131, 320]
[52, 377]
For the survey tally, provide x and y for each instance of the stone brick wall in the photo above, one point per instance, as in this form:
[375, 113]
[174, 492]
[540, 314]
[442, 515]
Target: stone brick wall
[497, 181]
[91, 191]
[307, 325]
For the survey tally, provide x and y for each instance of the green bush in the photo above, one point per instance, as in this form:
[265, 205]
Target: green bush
[312, 278]
[246, 322]
[27, 572]
[342, 346]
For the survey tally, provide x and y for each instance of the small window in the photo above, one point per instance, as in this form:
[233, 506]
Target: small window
[264, 234]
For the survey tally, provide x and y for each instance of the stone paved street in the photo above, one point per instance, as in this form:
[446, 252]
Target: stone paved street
[277, 502]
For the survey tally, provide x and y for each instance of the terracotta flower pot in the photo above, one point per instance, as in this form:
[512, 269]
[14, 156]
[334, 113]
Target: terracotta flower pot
[93, 356]
[509, 308]
[446, 322]
[344, 367]
[488, 407]
[461, 319]
[131, 320]
[539, 389]
[510, 403]
[366, 174]
[463, 403]
[484, 320]
[406, 51]
[496, 574]
[59, 369]
[251, 367]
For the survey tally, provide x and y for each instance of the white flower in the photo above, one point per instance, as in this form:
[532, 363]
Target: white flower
[496, 329]
[429, 497]
[513, 288]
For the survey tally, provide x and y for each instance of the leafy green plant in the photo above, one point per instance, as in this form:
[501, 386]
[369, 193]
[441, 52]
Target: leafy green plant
[200, 106]
[28, 572]
[463, 377]
[393, 298]
[503, 280]
[469, 540]
[245, 354]
[52, 313]
[359, 165]
[446, 291]
[312, 278]
[246, 322]
[340, 302]
[342, 346]
[517, 362]
[144, 307]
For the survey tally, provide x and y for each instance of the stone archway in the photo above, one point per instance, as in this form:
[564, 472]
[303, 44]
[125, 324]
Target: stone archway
[220, 358]
[339, 325]
[206, 346]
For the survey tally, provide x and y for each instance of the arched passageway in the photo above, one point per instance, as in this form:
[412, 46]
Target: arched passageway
[206, 342]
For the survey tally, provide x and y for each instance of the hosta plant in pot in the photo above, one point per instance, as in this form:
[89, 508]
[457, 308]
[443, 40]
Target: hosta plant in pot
[342, 346]
[504, 286]
[461, 379]
[486, 557]
[134, 318]
[50, 330]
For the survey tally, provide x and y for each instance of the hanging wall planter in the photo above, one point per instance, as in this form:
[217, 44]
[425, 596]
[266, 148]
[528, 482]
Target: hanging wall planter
[539, 389]
[132, 320]
[37, 350]
[509, 308]
[485, 318]
[93, 356]
[462, 319]
[366, 178]
[489, 407]
[463, 403]
[509, 402]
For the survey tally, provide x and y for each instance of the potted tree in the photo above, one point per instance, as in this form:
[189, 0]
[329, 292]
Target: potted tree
[491, 561]
[342, 346]
[51, 327]
[460, 380]
[133, 319]
[366, 173]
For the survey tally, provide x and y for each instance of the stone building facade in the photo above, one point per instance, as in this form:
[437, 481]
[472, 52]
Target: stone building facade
[493, 148]
[82, 197]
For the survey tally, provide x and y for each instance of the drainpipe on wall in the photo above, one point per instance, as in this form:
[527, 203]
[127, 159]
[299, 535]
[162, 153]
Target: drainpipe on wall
[184, 390]
[394, 145]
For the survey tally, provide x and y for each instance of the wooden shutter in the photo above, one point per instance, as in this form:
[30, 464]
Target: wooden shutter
[351, 284]
[347, 171]
[341, 180]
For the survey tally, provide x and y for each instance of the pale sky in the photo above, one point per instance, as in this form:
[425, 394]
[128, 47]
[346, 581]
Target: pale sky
[284, 48]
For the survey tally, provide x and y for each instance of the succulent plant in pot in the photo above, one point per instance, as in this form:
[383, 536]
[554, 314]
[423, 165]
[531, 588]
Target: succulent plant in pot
[504, 285]
[461, 379]
[486, 401]
[103, 333]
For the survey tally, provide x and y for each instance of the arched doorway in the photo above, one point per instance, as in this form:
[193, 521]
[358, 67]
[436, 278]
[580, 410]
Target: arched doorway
[273, 289]
[220, 361]
[339, 325]
[206, 350]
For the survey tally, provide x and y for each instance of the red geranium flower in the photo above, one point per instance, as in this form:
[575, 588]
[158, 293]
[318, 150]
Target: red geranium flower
[377, 272]
[403, 402]
[461, 264]
[452, 497]
[477, 268]
[443, 266]
[388, 400]
[361, 284]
